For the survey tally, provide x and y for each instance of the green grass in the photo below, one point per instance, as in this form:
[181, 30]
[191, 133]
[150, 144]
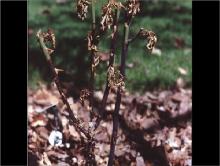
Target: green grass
[151, 71]
[168, 19]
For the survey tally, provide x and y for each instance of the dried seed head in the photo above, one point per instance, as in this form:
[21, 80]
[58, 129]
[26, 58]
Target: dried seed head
[48, 37]
[84, 94]
[151, 38]
[82, 8]
[52, 37]
[90, 40]
[107, 17]
[108, 14]
[93, 47]
[96, 60]
[133, 7]
[115, 78]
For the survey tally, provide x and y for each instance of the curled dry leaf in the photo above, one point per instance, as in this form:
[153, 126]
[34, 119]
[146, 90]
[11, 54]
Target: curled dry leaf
[90, 42]
[96, 60]
[84, 94]
[108, 14]
[132, 7]
[82, 8]
[49, 36]
[151, 38]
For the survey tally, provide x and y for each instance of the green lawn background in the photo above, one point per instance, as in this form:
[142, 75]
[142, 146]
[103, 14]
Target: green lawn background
[170, 20]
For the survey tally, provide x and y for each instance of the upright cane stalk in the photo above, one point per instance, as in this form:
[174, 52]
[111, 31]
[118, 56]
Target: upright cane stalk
[92, 72]
[118, 98]
[90, 159]
[111, 63]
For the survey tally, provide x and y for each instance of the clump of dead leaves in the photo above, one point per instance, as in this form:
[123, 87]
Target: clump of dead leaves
[159, 116]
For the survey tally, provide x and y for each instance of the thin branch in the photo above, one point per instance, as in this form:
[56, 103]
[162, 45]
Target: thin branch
[92, 72]
[73, 119]
[136, 36]
[90, 159]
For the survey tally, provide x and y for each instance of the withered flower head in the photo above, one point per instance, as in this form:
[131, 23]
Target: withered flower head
[48, 37]
[82, 8]
[151, 38]
[115, 78]
[133, 7]
[93, 47]
[108, 14]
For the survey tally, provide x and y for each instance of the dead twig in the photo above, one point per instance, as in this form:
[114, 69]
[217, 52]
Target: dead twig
[47, 53]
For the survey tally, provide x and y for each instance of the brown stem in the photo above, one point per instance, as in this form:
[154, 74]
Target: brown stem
[91, 82]
[115, 129]
[73, 119]
[118, 99]
[92, 72]
[90, 157]
[111, 63]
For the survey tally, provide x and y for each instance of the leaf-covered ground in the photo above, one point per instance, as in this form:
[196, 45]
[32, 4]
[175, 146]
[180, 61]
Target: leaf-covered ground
[155, 129]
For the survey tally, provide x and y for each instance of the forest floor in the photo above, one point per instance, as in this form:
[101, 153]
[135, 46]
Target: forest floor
[154, 129]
